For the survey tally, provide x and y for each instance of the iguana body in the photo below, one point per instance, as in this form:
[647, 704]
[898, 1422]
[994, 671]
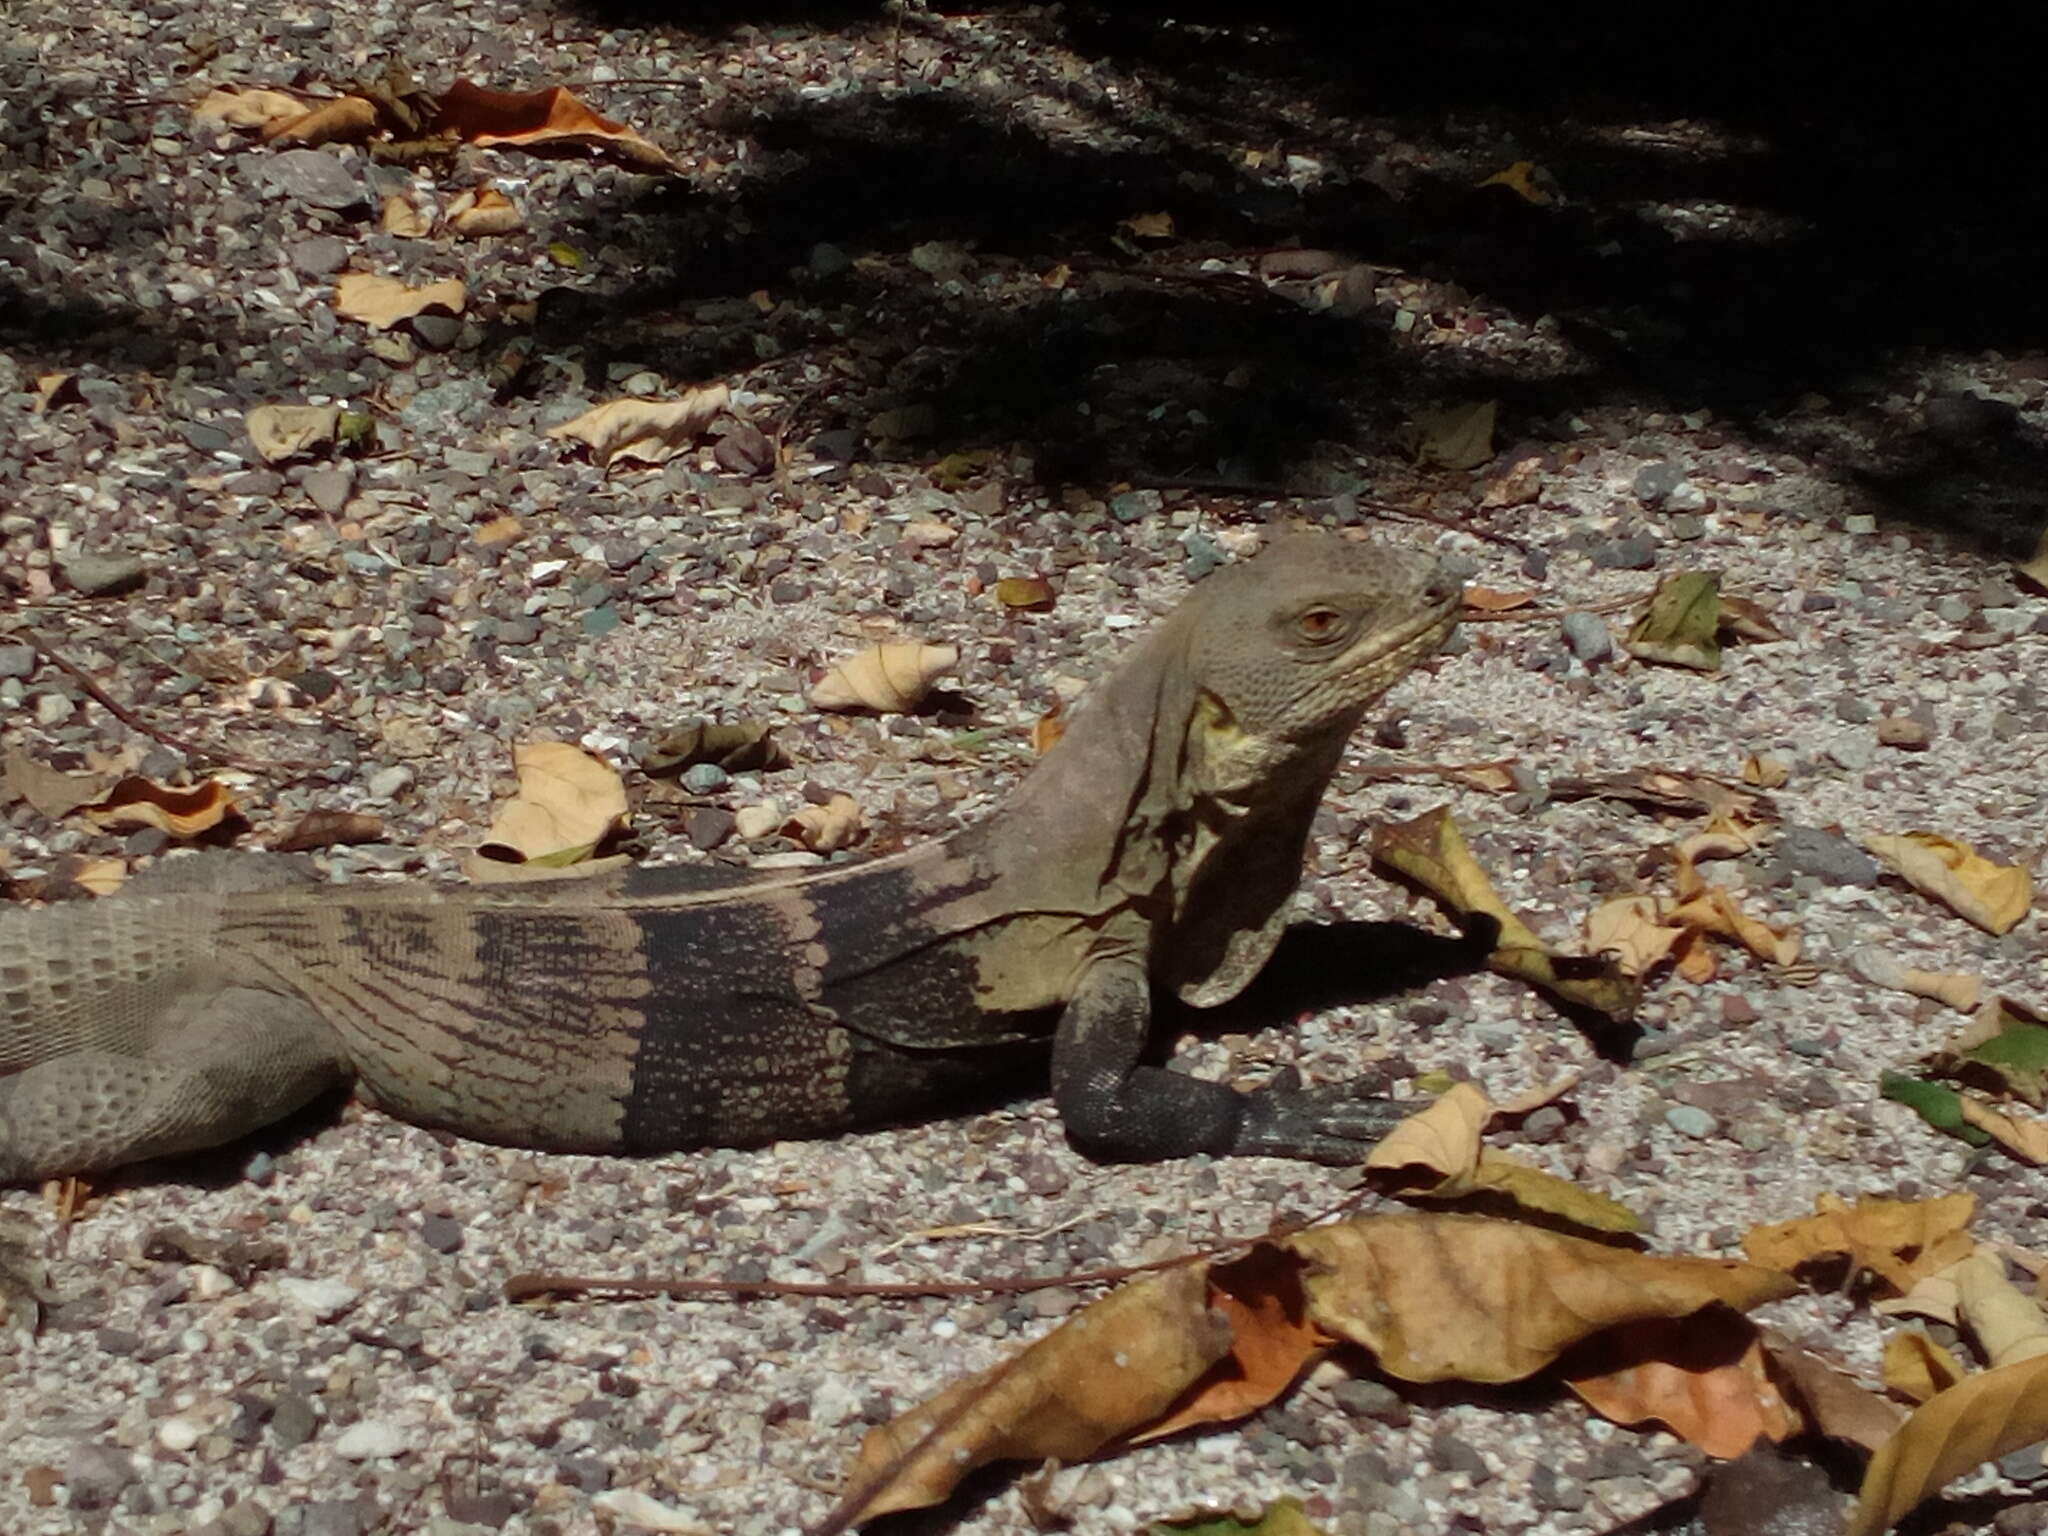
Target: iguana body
[1156, 846]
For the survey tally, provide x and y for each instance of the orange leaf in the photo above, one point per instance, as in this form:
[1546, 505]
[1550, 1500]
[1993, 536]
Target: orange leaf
[551, 121]
[1702, 1376]
[138, 802]
[1272, 1342]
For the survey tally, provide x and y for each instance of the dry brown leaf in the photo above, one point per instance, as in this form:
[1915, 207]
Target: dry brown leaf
[1979, 1419]
[1150, 226]
[139, 802]
[1916, 1368]
[737, 746]
[1993, 896]
[280, 431]
[1465, 1298]
[1764, 771]
[544, 122]
[1113, 1367]
[1532, 1099]
[51, 792]
[238, 108]
[1682, 622]
[2023, 1136]
[890, 678]
[1486, 600]
[383, 302]
[1713, 911]
[399, 217]
[646, 431]
[1540, 1193]
[1049, 728]
[482, 211]
[1271, 1343]
[1832, 1401]
[330, 829]
[1458, 436]
[1899, 1241]
[74, 877]
[1703, 1377]
[1671, 790]
[1627, 928]
[1932, 1296]
[1430, 853]
[1442, 1138]
[569, 801]
[825, 828]
[502, 529]
[2008, 1325]
[345, 120]
[1746, 619]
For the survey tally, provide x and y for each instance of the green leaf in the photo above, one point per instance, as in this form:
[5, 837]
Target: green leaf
[1681, 624]
[2018, 1054]
[1941, 1107]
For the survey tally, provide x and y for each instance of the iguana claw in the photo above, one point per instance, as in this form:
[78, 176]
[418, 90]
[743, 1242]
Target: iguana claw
[1329, 1123]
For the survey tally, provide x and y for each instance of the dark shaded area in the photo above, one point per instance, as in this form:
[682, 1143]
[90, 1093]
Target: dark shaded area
[1871, 183]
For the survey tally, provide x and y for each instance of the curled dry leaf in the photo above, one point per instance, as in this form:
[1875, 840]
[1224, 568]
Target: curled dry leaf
[345, 120]
[1430, 853]
[1049, 727]
[2023, 1136]
[237, 108]
[1704, 1377]
[1764, 771]
[545, 122]
[51, 792]
[1993, 896]
[647, 431]
[1713, 911]
[1916, 1368]
[1979, 1419]
[826, 828]
[279, 432]
[398, 216]
[73, 877]
[183, 813]
[739, 747]
[1442, 1138]
[569, 801]
[2008, 1325]
[1899, 1241]
[1628, 929]
[890, 678]
[1834, 1402]
[330, 829]
[382, 302]
[1025, 594]
[1112, 1367]
[482, 211]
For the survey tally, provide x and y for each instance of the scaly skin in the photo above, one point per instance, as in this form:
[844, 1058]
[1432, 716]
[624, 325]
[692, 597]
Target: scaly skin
[1156, 847]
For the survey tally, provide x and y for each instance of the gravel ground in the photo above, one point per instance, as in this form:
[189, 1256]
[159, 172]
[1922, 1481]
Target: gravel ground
[899, 242]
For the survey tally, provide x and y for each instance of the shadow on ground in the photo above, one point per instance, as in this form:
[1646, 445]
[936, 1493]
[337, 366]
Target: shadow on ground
[1758, 206]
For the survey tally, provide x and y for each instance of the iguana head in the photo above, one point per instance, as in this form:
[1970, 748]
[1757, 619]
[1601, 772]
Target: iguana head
[1282, 654]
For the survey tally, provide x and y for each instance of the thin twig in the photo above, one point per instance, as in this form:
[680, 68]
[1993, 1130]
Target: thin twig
[135, 722]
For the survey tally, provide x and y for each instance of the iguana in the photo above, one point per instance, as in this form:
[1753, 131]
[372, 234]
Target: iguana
[1154, 849]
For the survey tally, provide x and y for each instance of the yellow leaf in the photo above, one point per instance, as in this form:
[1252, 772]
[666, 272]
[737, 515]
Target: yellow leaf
[1979, 1419]
[569, 801]
[889, 678]
[383, 302]
[1993, 896]
[648, 431]
[1520, 179]
[1681, 623]
[1900, 1241]
[282, 431]
[2021, 1135]
[1916, 1367]
[1457, 437]
[1442, 1138]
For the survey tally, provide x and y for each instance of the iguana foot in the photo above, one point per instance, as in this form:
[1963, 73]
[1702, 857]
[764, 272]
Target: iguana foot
[1330, 1123]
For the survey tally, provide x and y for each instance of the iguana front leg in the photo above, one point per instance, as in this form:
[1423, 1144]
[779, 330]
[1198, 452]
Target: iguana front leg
[1115, 1108]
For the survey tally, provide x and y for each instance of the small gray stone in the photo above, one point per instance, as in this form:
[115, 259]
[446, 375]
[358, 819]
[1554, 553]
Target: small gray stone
[708, 825]
[1135, 506]
[104, 574]
[1854, 753]
[1826, 855]
[443, 1234]
[328, 489]
[1852, 709]
[1654, 482]
[1637, 552]
[390, 782]
[1589, 637]
[17, 661]
[829, 260]
[370, 1439]
[1373, 1400]
[53, 709]
[1204, 555]
[705, 778]
[331, 1517]
[317, 177]
[1687, 500]
[96, 1474]
[437, 333]
[474, 462]
[1691, 1120]
[292, 1421]
[601, 621]
[319, 256]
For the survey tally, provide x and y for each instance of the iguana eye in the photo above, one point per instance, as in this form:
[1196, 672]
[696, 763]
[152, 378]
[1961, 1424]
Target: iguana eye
[1320, 624]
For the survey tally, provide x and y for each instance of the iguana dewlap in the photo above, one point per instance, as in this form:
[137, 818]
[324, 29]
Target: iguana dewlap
[1154, 849]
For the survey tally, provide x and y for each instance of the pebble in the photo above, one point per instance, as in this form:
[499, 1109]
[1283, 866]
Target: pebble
[325, 1299]
[389, 783]
[95, 1475]
[328, 489]
[1636, 552]
[1655, 482]
[103, 575]
[1589, 637]
[17, 661]
[369, 1438]
[318, 177]
[1690, 1120]
[705, 779]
